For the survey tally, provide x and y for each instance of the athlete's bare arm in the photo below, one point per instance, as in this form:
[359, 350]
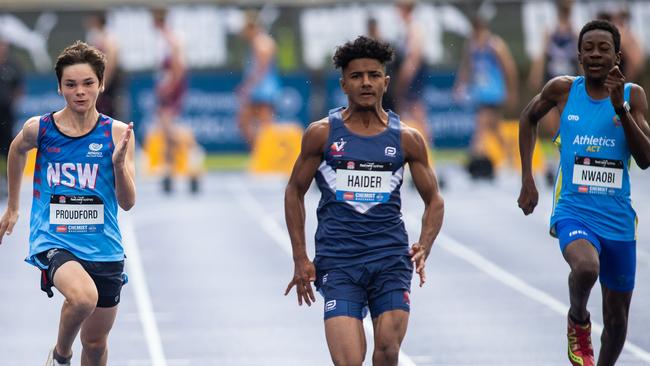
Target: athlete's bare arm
[637, 132]
[26, 140]
[554, 94]
[311, 155]
[417, 156]
[123, 164]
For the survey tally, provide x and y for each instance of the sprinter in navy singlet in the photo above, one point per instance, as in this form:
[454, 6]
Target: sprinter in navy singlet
[363, 260]
[602, 126]
[84, 170]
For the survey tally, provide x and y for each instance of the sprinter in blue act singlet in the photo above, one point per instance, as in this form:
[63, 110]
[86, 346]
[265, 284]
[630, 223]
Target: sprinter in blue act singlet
[363, 260]
[602, 126]
[84, 170]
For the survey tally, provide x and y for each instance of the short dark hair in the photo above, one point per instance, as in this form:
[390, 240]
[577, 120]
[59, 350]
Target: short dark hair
[602, 25]
[362, 47]
[81, 53]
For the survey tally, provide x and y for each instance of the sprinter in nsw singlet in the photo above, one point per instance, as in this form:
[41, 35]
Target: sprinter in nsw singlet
[84, 170]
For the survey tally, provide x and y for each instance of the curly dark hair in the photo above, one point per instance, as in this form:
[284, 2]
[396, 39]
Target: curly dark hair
[362, 47]
[602, 25]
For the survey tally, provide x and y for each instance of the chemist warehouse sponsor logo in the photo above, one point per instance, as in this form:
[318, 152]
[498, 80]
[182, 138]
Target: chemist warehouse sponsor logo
[593, 143]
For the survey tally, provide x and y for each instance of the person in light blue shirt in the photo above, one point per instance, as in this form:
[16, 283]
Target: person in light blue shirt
[602, 127]
[84, 170]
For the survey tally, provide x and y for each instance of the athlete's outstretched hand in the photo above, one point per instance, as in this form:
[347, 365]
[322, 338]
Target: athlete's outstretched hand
[303, 274]
[528, 196]
[7, 223]
[119, 155]
[418, 256]
[615, 84]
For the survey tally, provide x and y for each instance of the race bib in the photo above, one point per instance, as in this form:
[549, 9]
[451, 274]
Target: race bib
[591, 173]
[76, 214]
[362, 181]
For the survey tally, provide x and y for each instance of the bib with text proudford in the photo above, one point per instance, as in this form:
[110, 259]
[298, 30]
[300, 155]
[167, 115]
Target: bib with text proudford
[76, 214]
[363, 181]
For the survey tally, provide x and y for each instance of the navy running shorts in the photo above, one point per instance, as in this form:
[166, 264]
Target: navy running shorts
[380, 285]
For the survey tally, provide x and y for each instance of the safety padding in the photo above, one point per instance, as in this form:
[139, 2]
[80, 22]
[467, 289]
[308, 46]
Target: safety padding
[508, 156]
[276, 148]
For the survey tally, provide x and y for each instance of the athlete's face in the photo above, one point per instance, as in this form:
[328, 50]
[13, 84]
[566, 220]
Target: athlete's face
[364, 82]
[597, 54]
[80, 87]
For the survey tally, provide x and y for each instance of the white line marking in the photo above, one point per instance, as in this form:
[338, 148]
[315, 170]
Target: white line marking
[138, 282]
[281, 238]
[490, 268]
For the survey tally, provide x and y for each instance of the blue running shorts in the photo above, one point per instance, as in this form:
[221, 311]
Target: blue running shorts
[617, 258]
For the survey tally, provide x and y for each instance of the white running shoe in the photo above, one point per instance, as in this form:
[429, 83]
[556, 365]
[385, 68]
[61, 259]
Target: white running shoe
[51, 361]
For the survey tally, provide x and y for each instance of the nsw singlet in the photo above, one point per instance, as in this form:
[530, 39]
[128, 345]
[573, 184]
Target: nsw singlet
[359, 213]
[593, 184]
[74, 206]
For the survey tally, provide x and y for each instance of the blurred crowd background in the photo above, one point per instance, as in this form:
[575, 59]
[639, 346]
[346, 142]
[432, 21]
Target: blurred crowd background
[217, 55]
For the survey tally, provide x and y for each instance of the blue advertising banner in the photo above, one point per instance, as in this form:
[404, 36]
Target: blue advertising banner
[451, 122]
[210, 107]
[39, 97]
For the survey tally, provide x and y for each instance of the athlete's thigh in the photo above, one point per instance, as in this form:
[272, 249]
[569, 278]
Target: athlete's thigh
[346, 340]
[72, 280]
[390, 327]
[618, 265]
[98, 325]
[577, 243]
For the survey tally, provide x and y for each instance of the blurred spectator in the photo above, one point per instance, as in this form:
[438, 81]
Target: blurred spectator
[258, 92]
[409, 70]
[98, 35]
[633, 60]
[171, 87]
[560, 54]
[11, 79]
[559, 57]
[388, 100]
[488, 77]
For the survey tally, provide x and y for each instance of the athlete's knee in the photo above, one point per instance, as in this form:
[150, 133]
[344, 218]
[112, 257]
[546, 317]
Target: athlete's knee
[82, 301]
[94, 346]
[585, 269]
[386, 353]
[615, 320]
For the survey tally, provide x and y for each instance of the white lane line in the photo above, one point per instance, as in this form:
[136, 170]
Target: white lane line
[492, 269]
[281, 238]
[138, 282]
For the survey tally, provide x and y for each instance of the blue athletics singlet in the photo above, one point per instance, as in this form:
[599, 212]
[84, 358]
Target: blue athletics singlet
[74, 205]
[593, 184]
[359, 214]
[488, 84]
